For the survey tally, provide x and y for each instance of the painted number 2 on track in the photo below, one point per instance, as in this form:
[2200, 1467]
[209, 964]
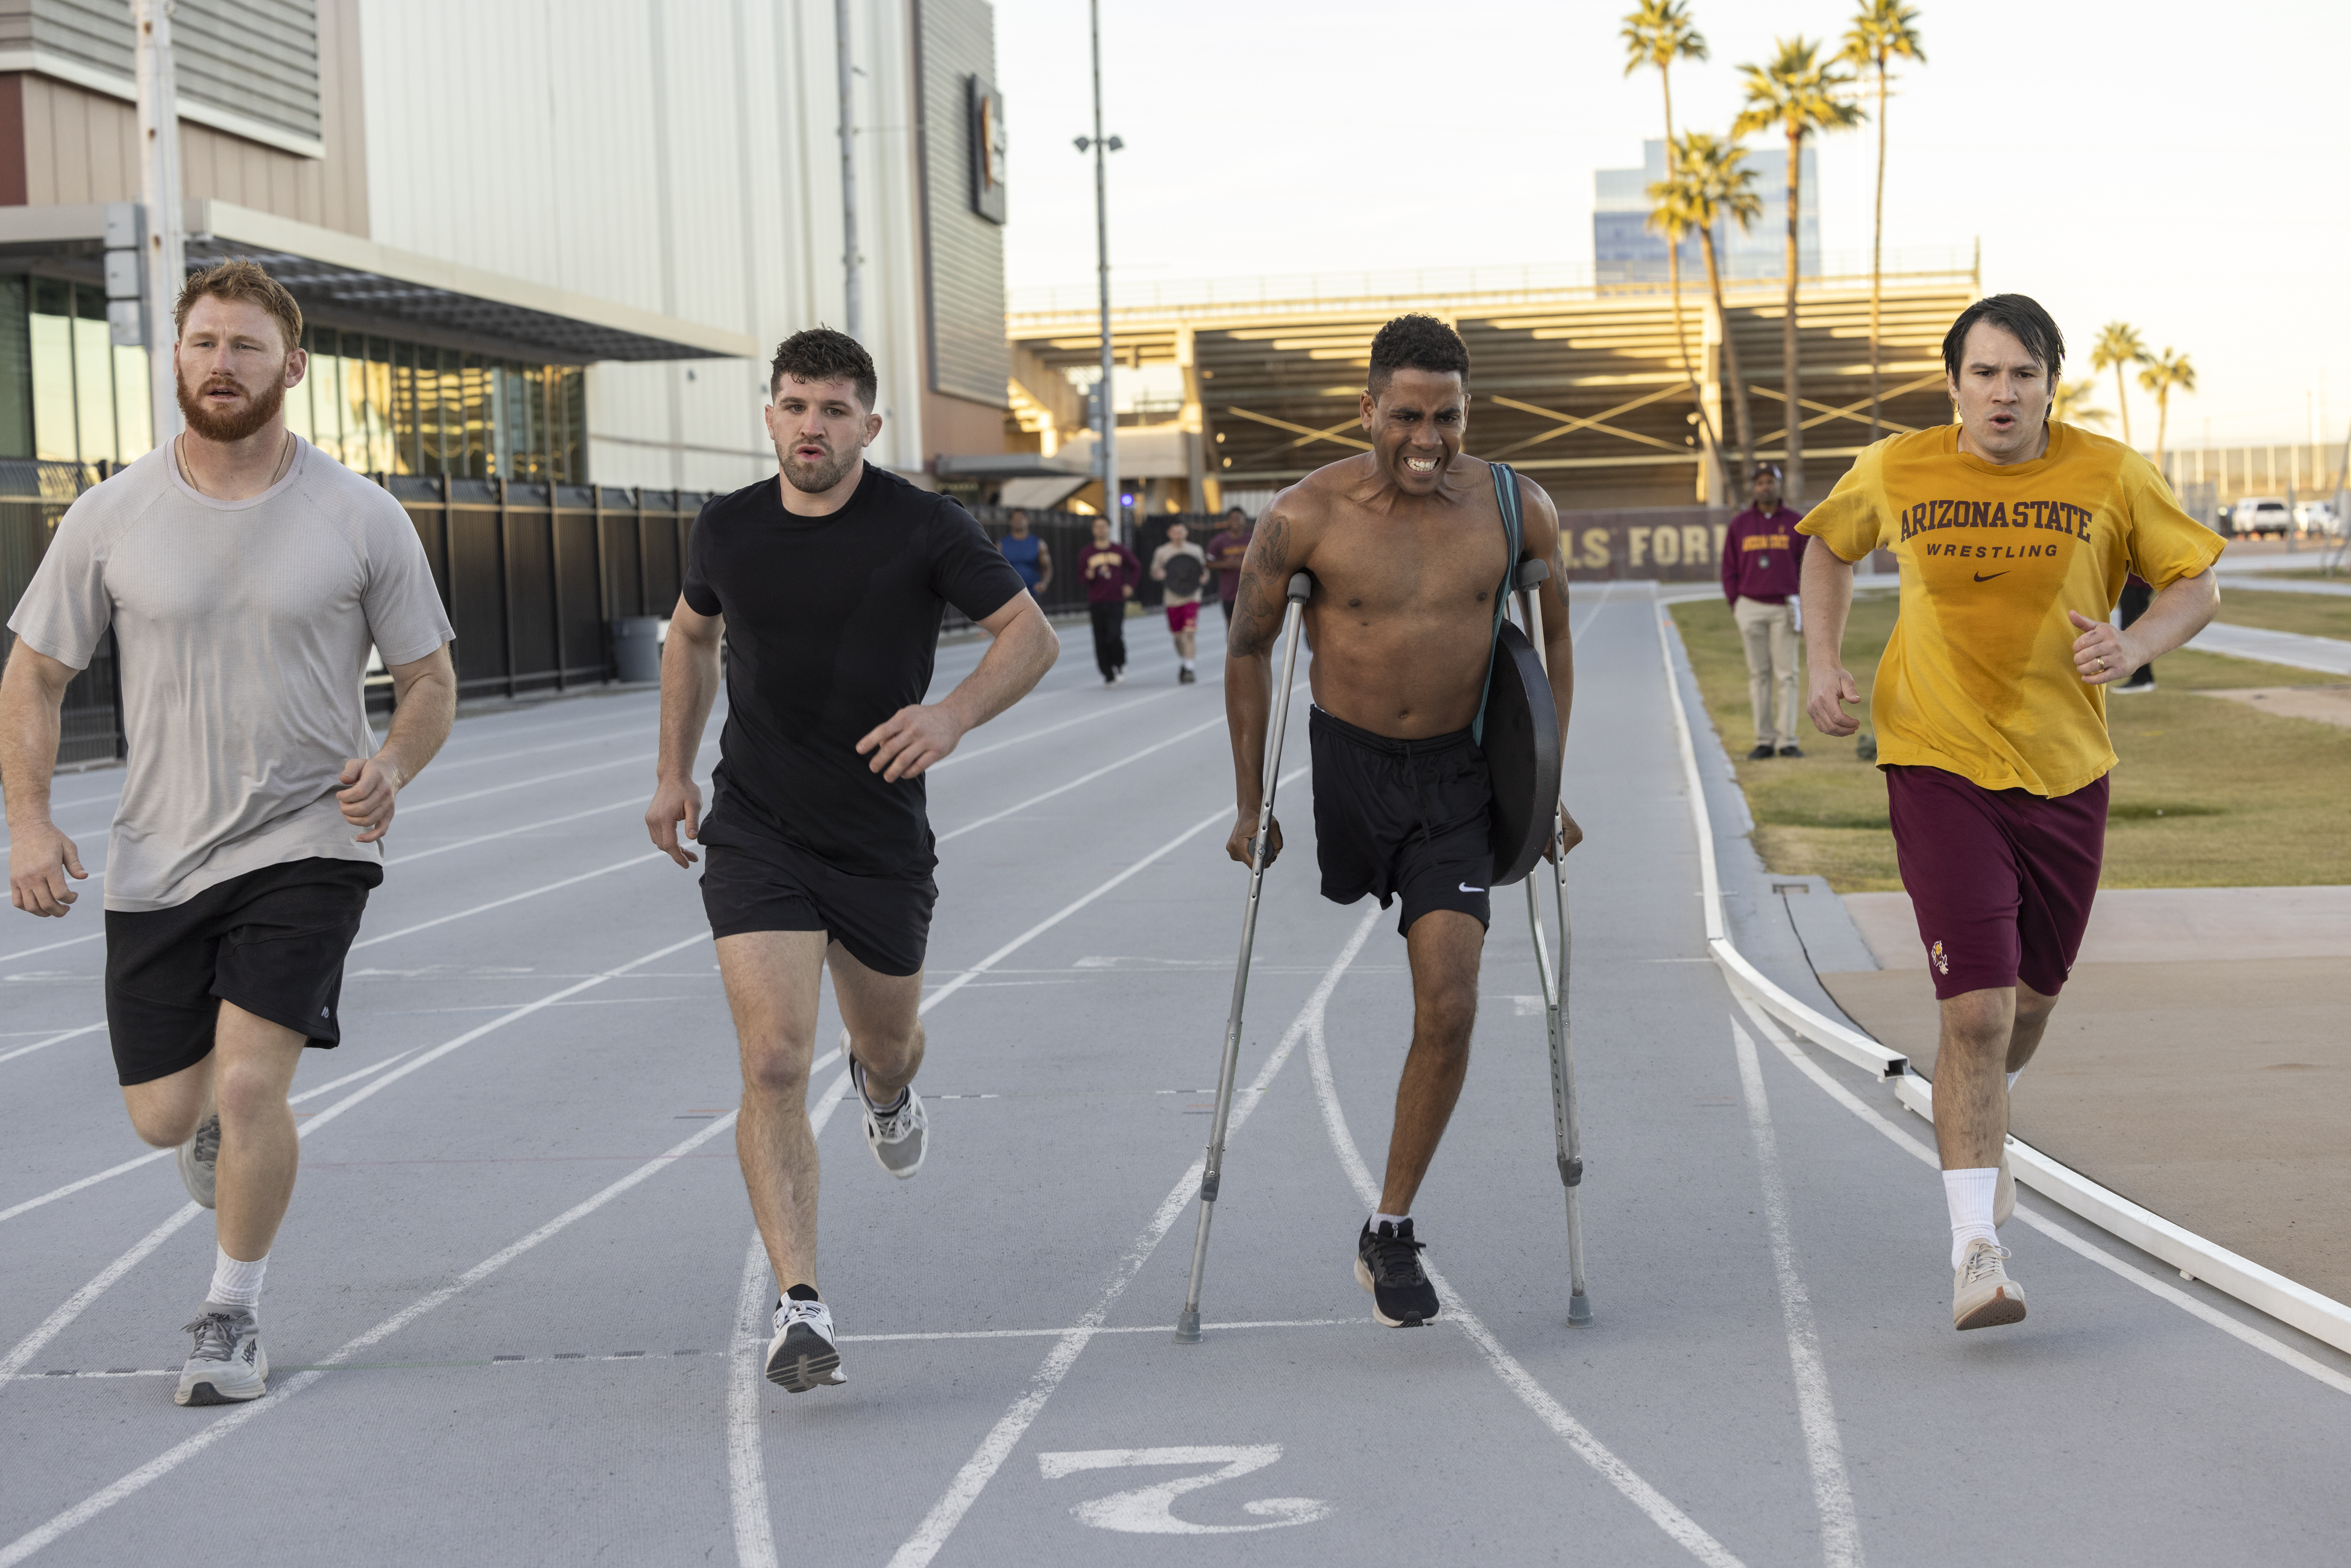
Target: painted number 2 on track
[1146, 1510]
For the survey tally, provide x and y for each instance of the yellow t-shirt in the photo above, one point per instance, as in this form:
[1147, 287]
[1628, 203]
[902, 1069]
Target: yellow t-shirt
[1978, 677]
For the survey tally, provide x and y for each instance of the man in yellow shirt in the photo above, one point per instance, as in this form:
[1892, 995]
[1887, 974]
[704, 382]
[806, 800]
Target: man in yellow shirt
[2014, 535]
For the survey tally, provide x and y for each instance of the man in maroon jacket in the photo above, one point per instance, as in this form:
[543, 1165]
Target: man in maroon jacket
[1761, 561]
[1109, 570]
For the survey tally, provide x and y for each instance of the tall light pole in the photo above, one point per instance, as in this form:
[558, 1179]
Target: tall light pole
[166, 262]
[853, 293]
[1105, 406]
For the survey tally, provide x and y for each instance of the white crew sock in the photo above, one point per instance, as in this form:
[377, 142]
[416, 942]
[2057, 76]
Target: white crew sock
[236, 1285]
[1969, 1194]
[1187, 663]
[1395, 1220]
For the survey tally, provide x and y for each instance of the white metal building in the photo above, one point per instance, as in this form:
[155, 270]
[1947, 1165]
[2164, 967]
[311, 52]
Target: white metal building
[543, 240]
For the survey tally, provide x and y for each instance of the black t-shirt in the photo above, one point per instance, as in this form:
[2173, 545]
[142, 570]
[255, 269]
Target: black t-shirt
[832, 624]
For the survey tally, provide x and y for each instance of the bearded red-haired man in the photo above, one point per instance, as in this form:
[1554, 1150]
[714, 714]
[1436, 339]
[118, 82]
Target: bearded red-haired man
[245, 575]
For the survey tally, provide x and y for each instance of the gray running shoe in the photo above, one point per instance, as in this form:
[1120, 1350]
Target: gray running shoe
[228, 1366]
[898, 1138]
[1982, 1295]
[199, 1162]
[802, 1355]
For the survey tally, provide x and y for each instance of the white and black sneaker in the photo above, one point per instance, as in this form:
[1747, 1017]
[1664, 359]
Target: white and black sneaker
[899, 1135]
[200, 1162]
[228, 1366]
[1387, 1264]
[802, 1355]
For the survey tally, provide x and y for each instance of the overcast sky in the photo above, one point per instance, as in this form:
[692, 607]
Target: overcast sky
[2184, 172]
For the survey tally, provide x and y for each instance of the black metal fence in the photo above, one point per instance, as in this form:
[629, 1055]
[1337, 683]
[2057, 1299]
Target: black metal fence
[532, 576]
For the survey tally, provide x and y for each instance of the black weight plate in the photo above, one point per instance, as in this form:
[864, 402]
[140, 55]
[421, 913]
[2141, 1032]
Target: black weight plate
[1522, 757]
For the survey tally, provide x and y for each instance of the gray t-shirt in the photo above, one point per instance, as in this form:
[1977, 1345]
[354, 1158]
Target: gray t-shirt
[243, 631]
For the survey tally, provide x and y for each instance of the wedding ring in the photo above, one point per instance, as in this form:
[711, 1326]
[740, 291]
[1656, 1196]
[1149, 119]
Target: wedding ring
[2102, 667]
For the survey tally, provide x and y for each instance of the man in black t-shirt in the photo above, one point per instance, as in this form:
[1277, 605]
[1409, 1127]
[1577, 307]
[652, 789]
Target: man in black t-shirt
[828, 584]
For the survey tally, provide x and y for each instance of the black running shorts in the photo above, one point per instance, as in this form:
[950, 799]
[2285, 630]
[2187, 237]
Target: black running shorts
[1403, 818]
[752, 882]
[272, 941]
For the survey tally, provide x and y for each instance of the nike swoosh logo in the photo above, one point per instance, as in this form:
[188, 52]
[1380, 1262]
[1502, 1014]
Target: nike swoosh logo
[1466, 888]
[1981, 577]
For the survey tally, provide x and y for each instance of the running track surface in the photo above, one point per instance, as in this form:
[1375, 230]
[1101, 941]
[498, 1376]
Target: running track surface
[511, 1318]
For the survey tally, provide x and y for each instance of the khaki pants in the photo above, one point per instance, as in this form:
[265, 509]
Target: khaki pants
[1768, 632]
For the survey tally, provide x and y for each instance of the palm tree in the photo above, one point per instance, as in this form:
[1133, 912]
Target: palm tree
[2118, 346]
[1658, 34]
[2163, 372]
[1710, 185]
[1670, 214]
[2072, 405]
[1799, 93]
[1881, 31]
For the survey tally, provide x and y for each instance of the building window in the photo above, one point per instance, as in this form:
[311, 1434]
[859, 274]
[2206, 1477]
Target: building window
[374, 404]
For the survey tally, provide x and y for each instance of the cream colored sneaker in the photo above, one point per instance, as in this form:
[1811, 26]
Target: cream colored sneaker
[2003, 1197]
[1982, 1295]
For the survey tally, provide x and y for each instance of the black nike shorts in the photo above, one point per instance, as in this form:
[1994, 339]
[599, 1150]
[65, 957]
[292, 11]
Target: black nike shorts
[272, 941]
[752, 882]
[1402, 817]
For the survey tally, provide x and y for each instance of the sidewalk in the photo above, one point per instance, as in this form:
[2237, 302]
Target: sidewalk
[2331, 655]
[2198, 1064]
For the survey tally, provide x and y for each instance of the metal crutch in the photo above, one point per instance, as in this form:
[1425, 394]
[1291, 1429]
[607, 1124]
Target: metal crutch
[1302, 588]
[1564, 1122]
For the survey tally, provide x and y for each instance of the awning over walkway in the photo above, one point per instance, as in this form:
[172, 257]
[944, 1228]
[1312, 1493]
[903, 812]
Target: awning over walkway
[361, 284]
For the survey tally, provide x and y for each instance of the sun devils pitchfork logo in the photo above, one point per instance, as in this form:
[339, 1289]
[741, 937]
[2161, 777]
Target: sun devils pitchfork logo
[1942, 960]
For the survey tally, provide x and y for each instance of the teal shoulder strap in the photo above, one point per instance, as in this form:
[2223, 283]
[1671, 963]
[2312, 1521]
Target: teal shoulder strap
[1506, 496]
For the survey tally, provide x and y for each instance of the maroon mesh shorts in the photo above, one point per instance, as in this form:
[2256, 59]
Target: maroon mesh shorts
[2000, 880]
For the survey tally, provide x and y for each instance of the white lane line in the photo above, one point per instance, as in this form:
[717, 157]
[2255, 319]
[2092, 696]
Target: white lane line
[163, 1464]
[72, 1187]
[962, 756]
[763, 1294]
[57, 1321]
[511, 898]
[53, 1040]
[1815, 1409]
[534, 780]
[2244, 1333]
[965, 979]
[997, 1445]
[1133, 1328]
[1216, 723]
[49, 946]
[747, 1475]
[1684, 1531]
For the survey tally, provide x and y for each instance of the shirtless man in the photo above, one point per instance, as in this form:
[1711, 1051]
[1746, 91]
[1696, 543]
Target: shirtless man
[1407, 546]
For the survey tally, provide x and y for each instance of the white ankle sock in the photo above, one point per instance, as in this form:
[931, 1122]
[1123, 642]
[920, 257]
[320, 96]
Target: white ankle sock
[1969, 1194]
[234, 1283]
[1395, 1220]
[2012, 1077]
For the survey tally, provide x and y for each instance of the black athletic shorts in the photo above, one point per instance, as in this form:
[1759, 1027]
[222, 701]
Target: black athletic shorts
[272, 941]
[1403, 818]
[753, 881]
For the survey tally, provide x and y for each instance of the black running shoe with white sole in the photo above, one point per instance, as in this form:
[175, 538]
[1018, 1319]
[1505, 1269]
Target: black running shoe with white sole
[1387, 1264]
[228, 1366]
[802, 1355]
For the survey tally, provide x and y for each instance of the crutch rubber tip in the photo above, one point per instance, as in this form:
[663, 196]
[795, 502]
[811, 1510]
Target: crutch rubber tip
[1187, 1326]
[1578, 1312]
